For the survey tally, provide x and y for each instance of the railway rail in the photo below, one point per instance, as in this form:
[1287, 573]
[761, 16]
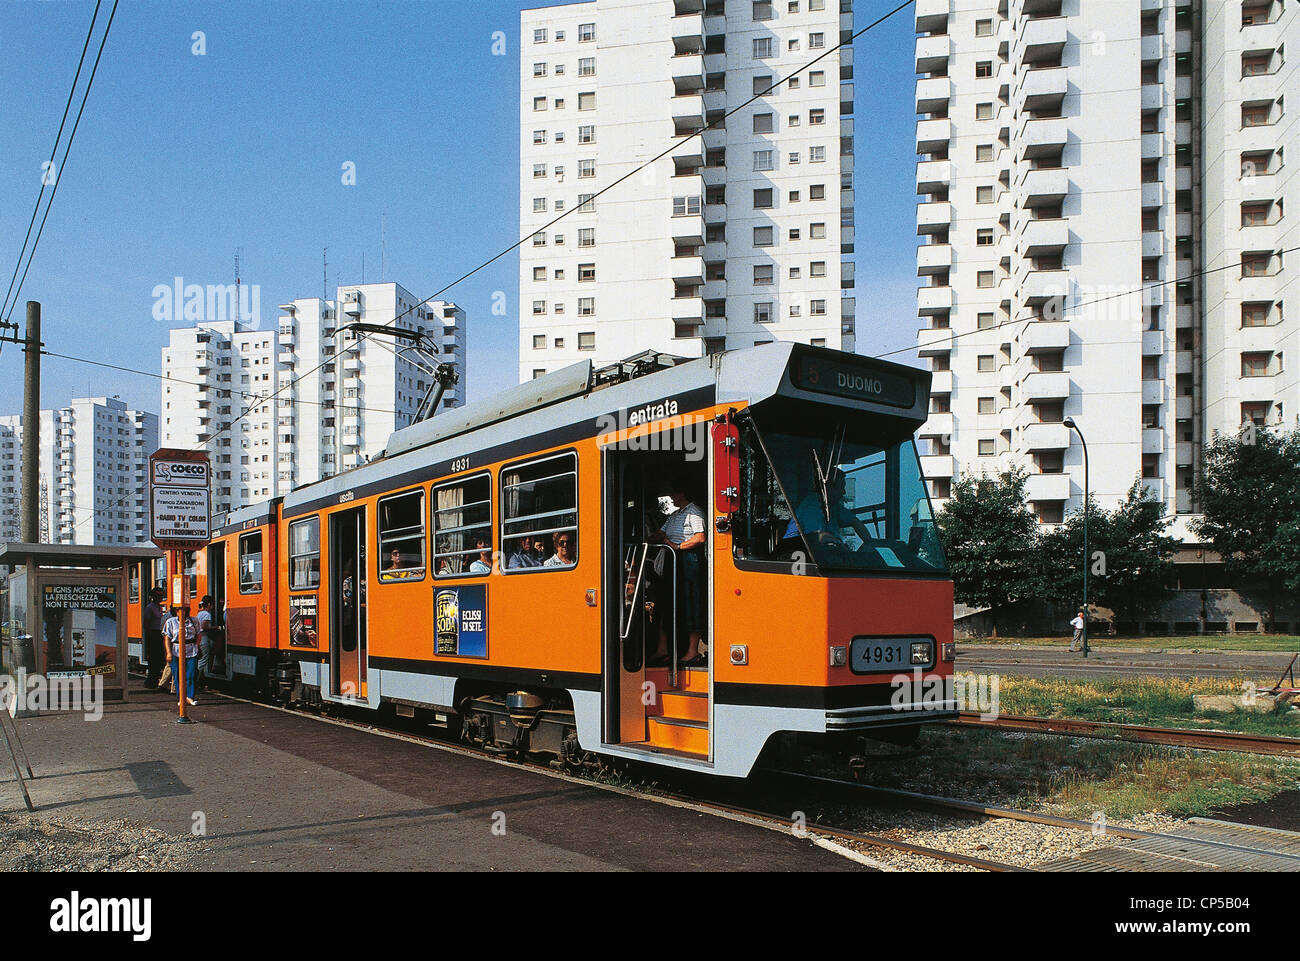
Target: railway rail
[1137, 733]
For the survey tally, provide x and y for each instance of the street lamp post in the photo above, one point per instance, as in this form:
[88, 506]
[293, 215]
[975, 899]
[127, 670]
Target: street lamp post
[1069, 422]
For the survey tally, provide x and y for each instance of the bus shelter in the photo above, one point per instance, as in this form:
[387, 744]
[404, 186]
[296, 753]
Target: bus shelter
[64, 610]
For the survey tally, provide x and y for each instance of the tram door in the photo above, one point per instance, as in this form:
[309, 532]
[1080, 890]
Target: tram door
[348, 603]
[218, 662]
[625, 623]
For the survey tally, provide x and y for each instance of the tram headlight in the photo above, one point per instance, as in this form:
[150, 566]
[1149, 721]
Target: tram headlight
[920, 652]
[949, 651]
[839, 656]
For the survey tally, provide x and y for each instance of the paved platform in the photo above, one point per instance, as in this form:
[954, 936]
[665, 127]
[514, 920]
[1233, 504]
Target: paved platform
[288, 792]
[1052, 661]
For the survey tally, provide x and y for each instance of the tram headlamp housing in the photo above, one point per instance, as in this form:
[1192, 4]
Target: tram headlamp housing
[920, 652]
[949, 651]
[839, 655]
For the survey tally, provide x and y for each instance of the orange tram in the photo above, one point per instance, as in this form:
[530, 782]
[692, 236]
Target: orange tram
[498, 569]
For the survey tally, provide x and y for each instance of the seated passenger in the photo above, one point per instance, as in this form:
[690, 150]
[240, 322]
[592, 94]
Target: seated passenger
[541, 548]
[522, 556]
[483, 563]
[563, 556]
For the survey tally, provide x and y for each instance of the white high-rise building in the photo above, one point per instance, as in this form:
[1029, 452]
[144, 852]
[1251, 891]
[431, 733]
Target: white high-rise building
[737, 237]
[323, 420]
[93, 473]
[1091, 174]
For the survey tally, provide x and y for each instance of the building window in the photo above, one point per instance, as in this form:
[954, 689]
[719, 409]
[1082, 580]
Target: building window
[1255, 314]
[586, 272]
[539, 170]
[587, 101]
[984, 321]
[539, 36]
[587, 340]
[816, 117]
[539, 273]
[763, 312]
[586, 203]
[761, 83]
[587, 133]
[817, 231]
[763, 10]
[763, 236]
[817, 268]
[401, 537]
[817, 308]
[984, 111]
[762, 274]
[763, 123]
[462, 525]
[984, 152]
[987, 447]
[816, 41]
[539, 341]
[1255, 364]
[817, 78]
[250, 563]
[539, 205]
[763, 159]
[985, 363]
[983, 28]
[586, 306]
[983, 69]
[1255, 264]
[686, 206]
[1256, 213]
[539, 70]
[539, 136]
[539, 503]
[539, 307]
[586, 32]
[586, 66]
[762, 48]
[984, 237]
[586, 168]
[984, 195]
[587, 237]
[762, 198]
[816, 192]
[984, 278]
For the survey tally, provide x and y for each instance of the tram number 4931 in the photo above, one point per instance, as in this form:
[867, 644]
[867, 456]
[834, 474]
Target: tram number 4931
[877, 654]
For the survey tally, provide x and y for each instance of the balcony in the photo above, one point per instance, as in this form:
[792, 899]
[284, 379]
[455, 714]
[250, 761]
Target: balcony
[1184, 456]
[933, 135]
[937, 465]
[1043, 137]
[932, 53]
[934, 300]
[933, 175]
[1153, 440]
[931, 15]
[1043, 89]
[934, 217]
[687, 270]
[931, 341]
[1153, 243]
[1040, 286]
[1044, 188]
[1153, 392]
[1044, 336]
[1153, 343]
[1045, 386]
[1183, 408]
[1153, 47]
[937, 425]
[688, 230]
[1043, 237]
[1047, 487]
[1046, 437]
[688, 111]
[1042, 39]
[688, 310]
[1153, 194]
[941, 382]
[933, 259]
[933, 93]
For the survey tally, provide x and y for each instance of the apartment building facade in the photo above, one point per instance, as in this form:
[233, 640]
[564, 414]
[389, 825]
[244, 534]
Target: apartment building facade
[1083, 215]
[735, 237]
[93, 473]
[338, 394]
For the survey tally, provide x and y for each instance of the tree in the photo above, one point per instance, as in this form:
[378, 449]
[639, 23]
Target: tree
[1130, 562]
[991, 539]
[1250, 497]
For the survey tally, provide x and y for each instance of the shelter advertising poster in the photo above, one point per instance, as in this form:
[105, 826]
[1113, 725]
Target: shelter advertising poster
[79, 624]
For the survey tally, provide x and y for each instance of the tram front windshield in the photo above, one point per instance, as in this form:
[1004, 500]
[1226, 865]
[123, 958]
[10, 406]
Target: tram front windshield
[820, 485]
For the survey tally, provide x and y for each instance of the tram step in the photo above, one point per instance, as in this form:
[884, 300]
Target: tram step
[679, 735]
[688, 679]
[685, 705]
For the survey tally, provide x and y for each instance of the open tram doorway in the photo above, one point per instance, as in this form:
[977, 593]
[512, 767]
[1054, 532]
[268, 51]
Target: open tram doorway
[348, 651]
[218, 659]
[655, 684]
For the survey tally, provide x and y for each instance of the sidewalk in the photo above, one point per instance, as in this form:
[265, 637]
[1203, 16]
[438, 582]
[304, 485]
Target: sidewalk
[288, 792]
[1106, 661]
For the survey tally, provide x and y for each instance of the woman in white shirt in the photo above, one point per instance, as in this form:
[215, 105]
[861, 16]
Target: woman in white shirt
[172, 631]
[684, 531]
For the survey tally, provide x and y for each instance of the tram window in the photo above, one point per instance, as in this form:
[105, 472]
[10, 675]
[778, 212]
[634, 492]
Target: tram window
[160, 573]
[250, 563]
[304, 554]
[462, 527]
[190, 560]
[539, 513]
[401, 537]
[133, 585]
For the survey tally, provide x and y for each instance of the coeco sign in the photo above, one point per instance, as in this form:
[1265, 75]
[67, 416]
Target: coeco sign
[180, 501]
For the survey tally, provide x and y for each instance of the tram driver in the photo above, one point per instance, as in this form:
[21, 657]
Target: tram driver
[827, 530]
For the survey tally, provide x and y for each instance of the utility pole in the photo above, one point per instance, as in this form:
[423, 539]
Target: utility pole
[30, 509]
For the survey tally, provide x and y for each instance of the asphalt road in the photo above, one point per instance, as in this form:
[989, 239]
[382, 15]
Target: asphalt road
[1040, 661]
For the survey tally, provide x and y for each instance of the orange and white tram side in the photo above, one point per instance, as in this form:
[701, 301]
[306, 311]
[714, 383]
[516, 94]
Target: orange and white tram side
[498, 566]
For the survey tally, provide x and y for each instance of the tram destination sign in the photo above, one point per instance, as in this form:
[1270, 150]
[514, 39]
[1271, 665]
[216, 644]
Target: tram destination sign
[855, 381]
[180, 499]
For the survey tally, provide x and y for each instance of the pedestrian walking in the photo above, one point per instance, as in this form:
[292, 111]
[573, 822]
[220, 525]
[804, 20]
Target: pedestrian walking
[1077, 624]
[152, 623]
[178, 625]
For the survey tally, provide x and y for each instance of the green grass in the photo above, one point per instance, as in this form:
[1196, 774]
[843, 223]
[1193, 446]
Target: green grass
[1078, 777]
[1290, 643]
[1153, 701]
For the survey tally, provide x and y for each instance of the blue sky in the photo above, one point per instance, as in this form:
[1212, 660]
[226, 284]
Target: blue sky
[181, 160]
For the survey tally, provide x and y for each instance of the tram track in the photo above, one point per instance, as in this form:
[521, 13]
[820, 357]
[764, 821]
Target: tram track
[1139, 734]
